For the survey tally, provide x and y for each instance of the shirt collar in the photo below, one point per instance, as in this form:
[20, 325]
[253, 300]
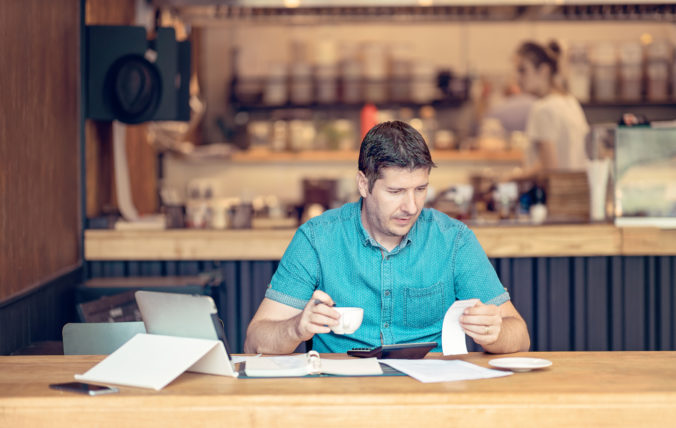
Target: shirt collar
[367, 240]
[364, 236]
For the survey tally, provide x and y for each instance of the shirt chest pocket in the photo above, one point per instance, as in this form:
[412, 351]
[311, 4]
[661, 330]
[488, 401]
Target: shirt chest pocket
[423, 306]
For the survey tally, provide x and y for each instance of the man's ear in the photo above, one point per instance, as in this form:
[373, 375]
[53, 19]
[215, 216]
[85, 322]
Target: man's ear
[362, 184]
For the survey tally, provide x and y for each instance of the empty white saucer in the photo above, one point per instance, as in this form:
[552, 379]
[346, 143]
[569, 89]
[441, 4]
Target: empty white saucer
[520, 364]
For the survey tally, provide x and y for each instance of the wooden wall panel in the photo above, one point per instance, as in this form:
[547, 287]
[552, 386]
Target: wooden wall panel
[39, 143]
[39, 316]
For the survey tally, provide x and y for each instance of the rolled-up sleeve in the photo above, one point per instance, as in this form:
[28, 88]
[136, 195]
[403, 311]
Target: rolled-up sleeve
[297, 275]
[474, 275]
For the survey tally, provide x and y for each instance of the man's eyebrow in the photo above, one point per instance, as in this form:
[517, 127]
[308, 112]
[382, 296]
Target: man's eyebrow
[404, 188]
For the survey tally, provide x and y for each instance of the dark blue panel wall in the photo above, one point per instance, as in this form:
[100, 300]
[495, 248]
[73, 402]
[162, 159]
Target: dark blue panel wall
[40, 314]
[569, 303]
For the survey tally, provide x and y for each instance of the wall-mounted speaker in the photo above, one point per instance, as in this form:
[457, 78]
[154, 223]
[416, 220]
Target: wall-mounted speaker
[134, 79]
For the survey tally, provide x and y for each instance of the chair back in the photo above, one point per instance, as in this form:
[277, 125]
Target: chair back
[98, 338]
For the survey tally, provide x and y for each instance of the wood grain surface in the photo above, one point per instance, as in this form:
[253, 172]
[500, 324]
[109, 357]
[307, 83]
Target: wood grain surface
[648, 240]
[39, 143]
[579, 389]
[192, 244]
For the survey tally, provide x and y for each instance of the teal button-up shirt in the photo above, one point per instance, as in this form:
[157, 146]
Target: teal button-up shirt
[404, 292]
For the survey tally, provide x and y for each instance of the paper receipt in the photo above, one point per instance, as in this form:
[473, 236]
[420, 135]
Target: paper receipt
[452, 335]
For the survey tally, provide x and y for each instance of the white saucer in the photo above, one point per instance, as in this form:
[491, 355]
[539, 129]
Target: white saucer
[520, 364]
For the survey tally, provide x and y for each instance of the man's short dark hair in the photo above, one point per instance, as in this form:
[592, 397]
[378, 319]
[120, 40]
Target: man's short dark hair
[392, 144]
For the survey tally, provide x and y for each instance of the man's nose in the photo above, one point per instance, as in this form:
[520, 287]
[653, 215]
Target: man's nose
[409, 205]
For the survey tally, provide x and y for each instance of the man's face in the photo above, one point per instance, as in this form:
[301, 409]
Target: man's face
[394, 203]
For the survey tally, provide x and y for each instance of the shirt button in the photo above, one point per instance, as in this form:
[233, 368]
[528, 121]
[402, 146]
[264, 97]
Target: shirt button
[387, 292]
[386, 325]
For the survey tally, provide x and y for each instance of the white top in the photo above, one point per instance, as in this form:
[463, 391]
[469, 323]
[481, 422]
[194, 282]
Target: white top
[559, 119]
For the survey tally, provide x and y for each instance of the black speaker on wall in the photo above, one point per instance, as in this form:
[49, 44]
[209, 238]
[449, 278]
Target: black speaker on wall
[134, 79]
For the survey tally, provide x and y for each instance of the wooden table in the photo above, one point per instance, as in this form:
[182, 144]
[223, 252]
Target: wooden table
[579, 389]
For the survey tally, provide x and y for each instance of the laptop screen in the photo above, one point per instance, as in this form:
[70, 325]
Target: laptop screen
[183, 315]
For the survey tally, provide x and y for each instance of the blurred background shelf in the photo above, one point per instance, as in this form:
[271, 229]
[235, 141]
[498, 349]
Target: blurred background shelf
[349, 107]
[258, 155]
[213, 12]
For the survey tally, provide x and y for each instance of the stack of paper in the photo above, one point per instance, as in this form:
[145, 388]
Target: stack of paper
[443, 370]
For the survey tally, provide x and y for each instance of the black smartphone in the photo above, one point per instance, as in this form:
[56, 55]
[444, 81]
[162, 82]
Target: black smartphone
[84, 388]
[407, 351]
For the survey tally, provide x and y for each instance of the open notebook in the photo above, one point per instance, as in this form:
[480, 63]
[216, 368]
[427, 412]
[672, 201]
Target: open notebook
[310, 364]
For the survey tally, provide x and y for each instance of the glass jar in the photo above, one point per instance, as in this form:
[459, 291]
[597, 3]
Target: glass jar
[631, 71]
[605, 73]
[658, 58]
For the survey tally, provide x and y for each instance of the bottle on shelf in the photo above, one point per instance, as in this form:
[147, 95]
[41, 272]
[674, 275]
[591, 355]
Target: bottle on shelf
[658, 58]
[375, 73]
[326, 71]
[368, 118]
[579, 73]
[351, 76]
[631, 71]
[605, 72]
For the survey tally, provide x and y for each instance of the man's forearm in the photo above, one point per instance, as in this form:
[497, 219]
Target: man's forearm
[513, 337]
[272, 337]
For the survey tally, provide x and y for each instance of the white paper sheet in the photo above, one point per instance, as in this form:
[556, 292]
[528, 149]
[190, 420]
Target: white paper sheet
[241, 358]
[278, 366]
[152, 361]
[452, 334]
[442, 370]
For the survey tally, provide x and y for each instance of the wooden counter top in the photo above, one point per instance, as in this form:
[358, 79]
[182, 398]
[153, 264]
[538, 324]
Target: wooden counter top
[579, 389]
[498, 241]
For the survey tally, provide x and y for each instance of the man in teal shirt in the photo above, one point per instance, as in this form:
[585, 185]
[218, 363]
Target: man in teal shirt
[404, 265]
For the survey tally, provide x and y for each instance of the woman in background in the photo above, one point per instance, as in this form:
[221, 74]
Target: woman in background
[556, 125]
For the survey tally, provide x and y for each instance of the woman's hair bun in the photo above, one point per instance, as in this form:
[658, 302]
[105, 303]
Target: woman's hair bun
[554, 48]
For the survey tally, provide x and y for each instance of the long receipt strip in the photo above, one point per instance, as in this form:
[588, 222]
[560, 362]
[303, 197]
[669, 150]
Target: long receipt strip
[452, 334]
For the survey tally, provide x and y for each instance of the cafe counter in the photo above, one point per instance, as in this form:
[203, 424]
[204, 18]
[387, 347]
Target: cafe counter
[578, 286]
[570, 240]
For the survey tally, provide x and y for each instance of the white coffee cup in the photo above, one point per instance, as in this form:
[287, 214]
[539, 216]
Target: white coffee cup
[350, 320]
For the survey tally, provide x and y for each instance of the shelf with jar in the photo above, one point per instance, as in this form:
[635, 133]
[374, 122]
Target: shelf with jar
[632, 74]
[272, 11]
[440, 89]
